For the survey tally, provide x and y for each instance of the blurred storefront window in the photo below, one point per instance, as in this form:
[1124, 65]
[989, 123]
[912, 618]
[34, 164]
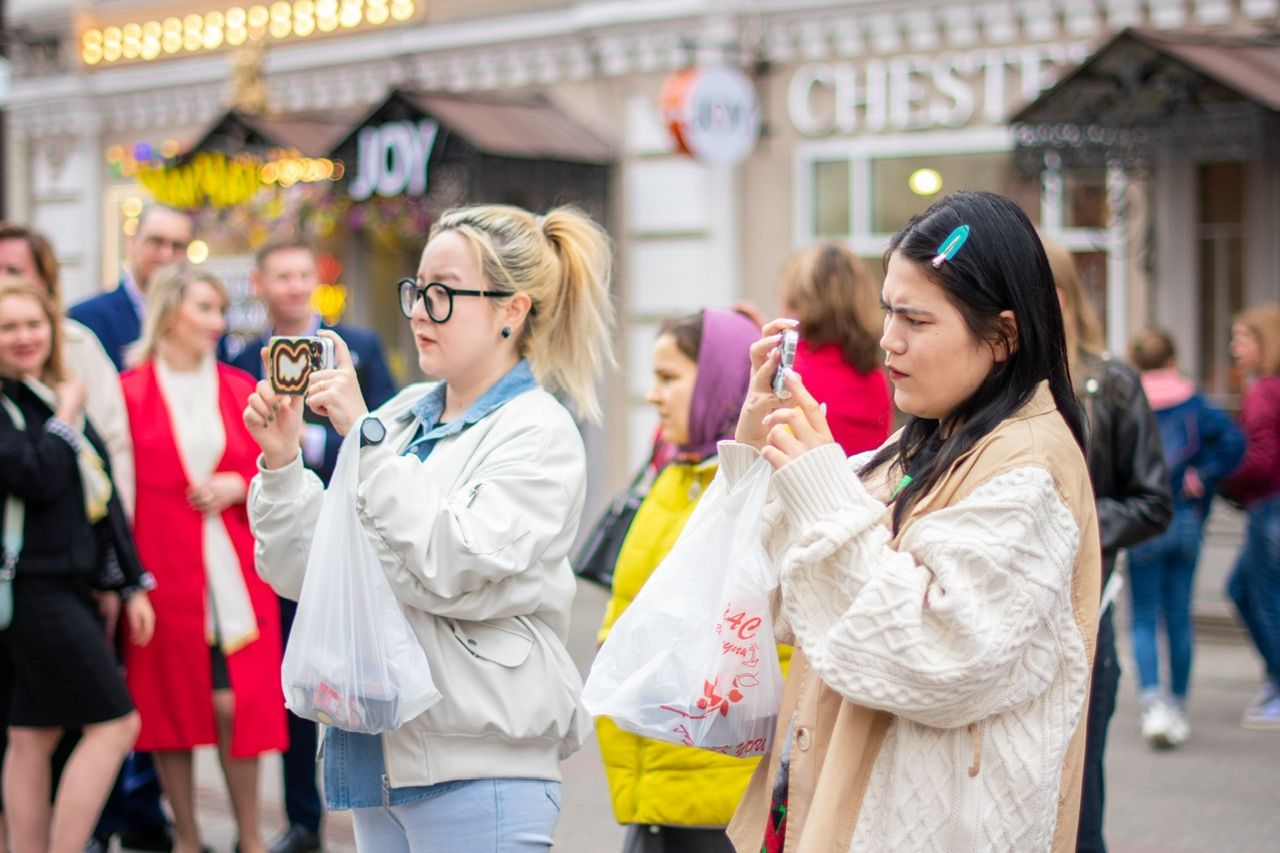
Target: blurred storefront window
[904, 186]
[1220, 233]
[865, 189]
[1084, 198]
[832, 216]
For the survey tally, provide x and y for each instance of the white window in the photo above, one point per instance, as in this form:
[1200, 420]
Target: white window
[862, 190]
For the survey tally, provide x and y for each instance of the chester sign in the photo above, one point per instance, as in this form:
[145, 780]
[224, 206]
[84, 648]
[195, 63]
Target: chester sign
[917, 92]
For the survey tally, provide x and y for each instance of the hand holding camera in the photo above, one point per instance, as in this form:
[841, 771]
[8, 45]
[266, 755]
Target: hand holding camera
[796, 428]
[766, 368]
[786, 360]
[275, 422]
[292, 360]
[779, 417]
[274, 411]
[317, 370]
[334, 391]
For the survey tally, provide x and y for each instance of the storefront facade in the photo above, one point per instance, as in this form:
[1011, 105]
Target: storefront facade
[1192, 117]
[869, 110]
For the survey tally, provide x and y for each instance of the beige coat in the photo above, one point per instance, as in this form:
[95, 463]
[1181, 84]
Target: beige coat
[103, 404]
[936, 696]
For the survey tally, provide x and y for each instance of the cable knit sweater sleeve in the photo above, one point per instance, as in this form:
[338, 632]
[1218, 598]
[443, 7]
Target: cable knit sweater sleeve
[950, 627]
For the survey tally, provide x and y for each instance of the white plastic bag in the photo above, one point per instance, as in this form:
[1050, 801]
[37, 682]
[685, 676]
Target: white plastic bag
[693, 659]
[352, 660]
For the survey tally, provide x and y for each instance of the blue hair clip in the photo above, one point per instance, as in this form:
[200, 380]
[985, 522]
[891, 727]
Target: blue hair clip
[951, 245]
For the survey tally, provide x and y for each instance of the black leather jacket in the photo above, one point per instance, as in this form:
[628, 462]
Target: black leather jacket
[1126, 459]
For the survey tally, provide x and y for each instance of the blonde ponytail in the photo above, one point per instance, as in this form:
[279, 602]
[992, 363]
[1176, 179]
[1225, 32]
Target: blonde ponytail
[574, 341]
[564, 263]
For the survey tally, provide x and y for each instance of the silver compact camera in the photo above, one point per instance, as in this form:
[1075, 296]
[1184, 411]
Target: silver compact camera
[787, 357]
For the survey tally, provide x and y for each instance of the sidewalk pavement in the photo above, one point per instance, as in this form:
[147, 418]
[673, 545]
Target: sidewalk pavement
[1217, 793]
[1213, 612]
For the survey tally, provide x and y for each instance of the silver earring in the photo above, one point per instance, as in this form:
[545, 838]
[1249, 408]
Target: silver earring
[506, 332]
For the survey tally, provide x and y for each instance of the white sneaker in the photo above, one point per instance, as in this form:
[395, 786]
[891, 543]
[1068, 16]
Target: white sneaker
[1266, 718]
[1179, 728]
[1267, 692]
[1155, 724]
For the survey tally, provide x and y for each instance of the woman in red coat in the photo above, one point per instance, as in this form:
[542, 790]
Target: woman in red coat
[212, 673]
[832, 293]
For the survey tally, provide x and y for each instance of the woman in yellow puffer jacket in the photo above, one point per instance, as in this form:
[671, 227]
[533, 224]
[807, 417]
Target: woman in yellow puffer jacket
[677, 799]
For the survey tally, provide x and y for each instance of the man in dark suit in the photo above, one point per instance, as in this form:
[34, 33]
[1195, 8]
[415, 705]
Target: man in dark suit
[133, 809]
[116, 316]
[284, 277]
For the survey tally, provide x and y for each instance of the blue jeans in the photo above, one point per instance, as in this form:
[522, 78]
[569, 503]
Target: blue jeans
[1102, 704]
[480, 816]
[1161, 576]
[301, 793]
[1254, 585]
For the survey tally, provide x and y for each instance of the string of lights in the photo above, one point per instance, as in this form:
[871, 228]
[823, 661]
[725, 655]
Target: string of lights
[164, 36]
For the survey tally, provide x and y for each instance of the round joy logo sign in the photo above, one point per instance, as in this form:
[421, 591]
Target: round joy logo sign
[712, 113]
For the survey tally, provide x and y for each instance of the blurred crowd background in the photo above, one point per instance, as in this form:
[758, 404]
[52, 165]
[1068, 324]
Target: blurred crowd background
[712, 136]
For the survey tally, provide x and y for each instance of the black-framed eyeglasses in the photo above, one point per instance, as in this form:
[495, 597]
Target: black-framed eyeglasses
[437, 297]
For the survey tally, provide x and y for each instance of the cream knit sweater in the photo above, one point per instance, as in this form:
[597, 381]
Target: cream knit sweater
[964, 632]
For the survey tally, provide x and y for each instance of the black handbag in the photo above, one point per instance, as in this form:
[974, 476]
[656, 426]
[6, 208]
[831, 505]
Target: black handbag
[595, 558]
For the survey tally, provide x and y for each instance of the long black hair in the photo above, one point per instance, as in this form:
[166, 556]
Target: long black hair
[1002, 267]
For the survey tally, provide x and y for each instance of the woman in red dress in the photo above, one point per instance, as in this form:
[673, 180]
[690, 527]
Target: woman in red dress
[212, 673]
[837, 301]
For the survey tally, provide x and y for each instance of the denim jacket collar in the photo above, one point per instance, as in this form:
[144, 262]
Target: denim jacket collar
[427, 411]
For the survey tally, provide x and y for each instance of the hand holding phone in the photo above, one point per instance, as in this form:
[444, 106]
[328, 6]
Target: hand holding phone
[786, 358]
[292, 360]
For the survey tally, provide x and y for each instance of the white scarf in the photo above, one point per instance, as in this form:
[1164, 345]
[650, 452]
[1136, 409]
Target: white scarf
[198, 431]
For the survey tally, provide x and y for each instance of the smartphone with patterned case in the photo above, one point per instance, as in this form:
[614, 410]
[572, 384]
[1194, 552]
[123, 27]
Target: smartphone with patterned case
[292, 360]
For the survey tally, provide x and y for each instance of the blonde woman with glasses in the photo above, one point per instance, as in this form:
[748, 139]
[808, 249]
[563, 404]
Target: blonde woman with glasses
[471, 489]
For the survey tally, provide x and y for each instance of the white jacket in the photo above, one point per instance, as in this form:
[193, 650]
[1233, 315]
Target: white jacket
[475, 542]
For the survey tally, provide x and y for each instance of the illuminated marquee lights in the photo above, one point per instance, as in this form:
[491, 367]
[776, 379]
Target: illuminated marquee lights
[193, 33]
[213, 178]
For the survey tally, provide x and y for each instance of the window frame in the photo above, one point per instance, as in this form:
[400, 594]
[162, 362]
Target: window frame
[861, 152]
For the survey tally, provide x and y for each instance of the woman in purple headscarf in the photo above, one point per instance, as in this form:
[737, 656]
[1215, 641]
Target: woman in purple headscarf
[678, 798]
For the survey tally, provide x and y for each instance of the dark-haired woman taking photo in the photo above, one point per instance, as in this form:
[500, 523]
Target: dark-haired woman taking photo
[830, 292]
[942, 591]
